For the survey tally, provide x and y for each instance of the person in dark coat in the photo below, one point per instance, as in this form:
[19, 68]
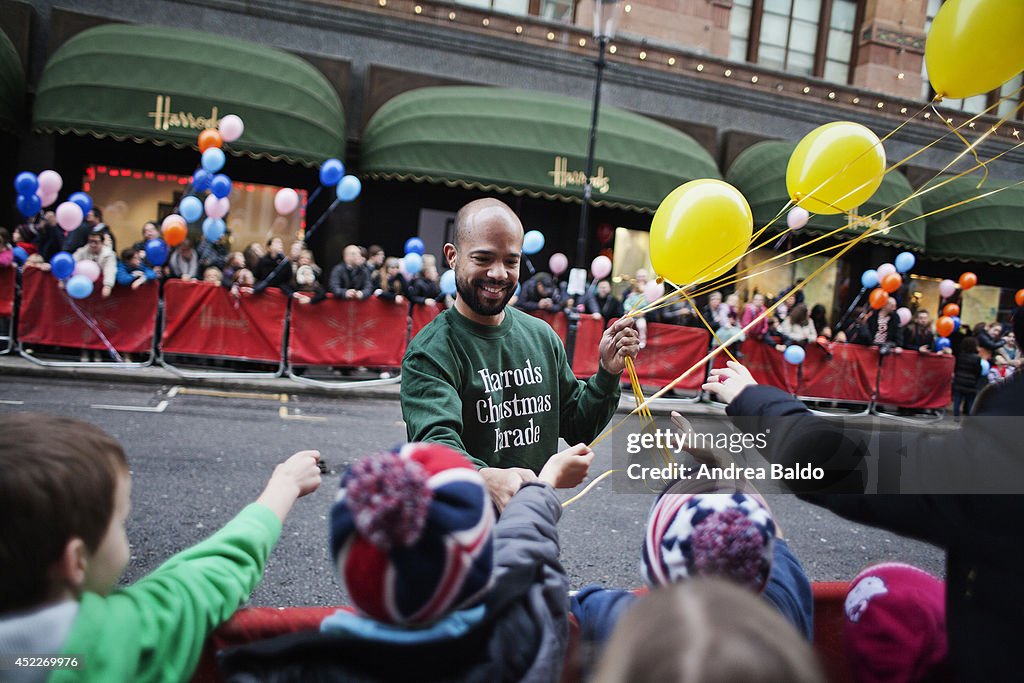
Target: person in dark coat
[349, 279]
[601, 303]
[966, 374]
[980, 533]
[918, 335]
[273, 269]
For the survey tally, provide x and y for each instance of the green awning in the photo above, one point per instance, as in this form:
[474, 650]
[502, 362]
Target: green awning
[164, 85]
[532, 143]
[988, 229]
[12, 85]
[759, 172]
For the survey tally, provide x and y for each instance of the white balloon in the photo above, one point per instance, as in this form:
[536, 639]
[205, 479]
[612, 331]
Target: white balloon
[286, 200]
[69, 216]
[215, 207]
[231, 128]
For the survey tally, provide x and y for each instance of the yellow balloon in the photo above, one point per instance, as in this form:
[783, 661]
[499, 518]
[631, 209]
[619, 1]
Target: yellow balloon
[700, 231]
[975, 46]
[835, 168]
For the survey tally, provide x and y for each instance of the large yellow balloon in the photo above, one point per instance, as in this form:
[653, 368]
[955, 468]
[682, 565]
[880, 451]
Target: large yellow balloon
[700, 231]
[975, 46]
[835, 168]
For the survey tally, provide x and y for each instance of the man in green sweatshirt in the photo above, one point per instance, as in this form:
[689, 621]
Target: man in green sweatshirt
[493, 382]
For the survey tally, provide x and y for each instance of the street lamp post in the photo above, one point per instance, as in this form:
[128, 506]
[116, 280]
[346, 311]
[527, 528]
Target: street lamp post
[606, 17]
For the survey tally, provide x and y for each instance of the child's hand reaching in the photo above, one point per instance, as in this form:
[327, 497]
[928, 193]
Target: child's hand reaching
[297, 476]
[567, 469]
[726, 383]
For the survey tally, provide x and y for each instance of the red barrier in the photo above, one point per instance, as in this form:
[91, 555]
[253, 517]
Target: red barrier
[765, 364]
[916, 380]
[343, 332]
[6, 292]
[127, 317]
[422, 315]
[849, 375]
[203, 319]
[670, 351]
[558, 320]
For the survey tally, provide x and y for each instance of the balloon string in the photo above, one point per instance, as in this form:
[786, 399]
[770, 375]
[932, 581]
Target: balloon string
[94, 327]
[589, 486]
[700, 316]
[970, 148]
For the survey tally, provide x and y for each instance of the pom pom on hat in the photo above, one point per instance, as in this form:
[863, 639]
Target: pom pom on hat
[411, 534]
[895, 626]
[729, 535]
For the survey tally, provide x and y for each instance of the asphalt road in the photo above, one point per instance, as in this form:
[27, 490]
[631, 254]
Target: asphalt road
[197, 458]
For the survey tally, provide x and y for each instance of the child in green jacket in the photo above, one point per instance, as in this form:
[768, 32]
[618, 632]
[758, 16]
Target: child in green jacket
[64, 498]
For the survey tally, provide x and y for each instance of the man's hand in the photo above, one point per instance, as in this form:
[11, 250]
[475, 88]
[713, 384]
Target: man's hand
[502, 484]
[595, 316]
[617, 342]
[399, 299]
[727, 383]
[350, 294]
[923, 349]
[429, 302]
[565, 470]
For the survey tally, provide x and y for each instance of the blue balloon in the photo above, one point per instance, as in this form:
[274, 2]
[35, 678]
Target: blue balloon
[83, 200]
[956, 322]
[29, 204]
[448, 283]
[62, 265]
[413, 263]
[78, 287]
[213, 229]
[904, 261]
[213, 159]
[20, 255]
[414, 245]
[331, 172]
[190, 208]
[26, 183]
[201, 180]
[533, 242]
[220, 186]
[349, 188]
[942, 343]
[869, 279]
[156, 252]
[794, 354]
[985, 367]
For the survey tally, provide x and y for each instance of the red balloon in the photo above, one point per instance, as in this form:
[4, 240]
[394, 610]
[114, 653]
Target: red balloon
[968, 280]
[892, 282]
[944, 326]
[209, 138]
[951, 310]
[878, 298]
[1019, 298]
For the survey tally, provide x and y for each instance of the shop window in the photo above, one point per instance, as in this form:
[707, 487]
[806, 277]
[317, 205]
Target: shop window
[504, 6]
[809, 37]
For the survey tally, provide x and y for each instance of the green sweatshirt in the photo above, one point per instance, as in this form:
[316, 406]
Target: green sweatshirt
[154, 629]
[501, 394]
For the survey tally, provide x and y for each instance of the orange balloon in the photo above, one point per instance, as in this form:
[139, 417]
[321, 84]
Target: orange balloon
[209, 138]
[878, 298]
[892, 282]
[944, 326]
[951, 310]
[1019, 298]
[174, 234]
[968, 280]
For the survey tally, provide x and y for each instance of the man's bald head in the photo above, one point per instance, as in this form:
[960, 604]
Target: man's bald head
[484, 213]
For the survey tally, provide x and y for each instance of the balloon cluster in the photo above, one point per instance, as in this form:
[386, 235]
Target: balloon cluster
[332, 174]
[36, 192]
[887, 279]
[949, 322]
[207, 178]
[412, 262]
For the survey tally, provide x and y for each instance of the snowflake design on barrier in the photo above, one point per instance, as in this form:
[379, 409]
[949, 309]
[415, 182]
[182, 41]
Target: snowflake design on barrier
[353, 333]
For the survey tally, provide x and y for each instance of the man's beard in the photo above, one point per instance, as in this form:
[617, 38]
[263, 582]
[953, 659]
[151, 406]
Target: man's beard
[468, 292]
